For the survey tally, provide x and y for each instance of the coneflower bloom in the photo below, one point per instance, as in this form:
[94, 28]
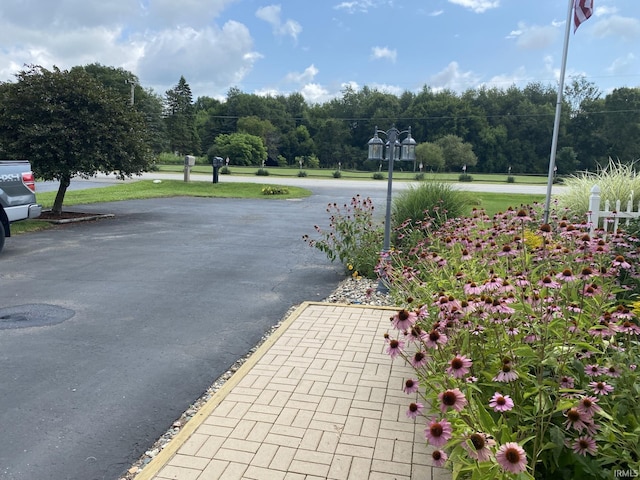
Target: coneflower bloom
[566, 275]
[512, 457]
[415, 409]
[594, 370]
[501, 403]
[439, 458]
[584, 445]
[601, 388]
[478, 447]
[434, 338]
[506, 374]
[548, 282]
[588, 406]
[452, 398]
[612, 371]
[459, 366]
[438, 432]
[404, 320]
[419, 359]
[395, 347]
[619, 261]
[411, 385]
[576, 420]
[566, 382]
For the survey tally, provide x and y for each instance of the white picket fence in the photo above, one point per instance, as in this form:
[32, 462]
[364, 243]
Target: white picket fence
[610, 219]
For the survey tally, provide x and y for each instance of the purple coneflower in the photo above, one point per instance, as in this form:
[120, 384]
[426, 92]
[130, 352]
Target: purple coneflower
[501, 403]
[419, 359]
[459, 366]
[478, 447]
[549, 282]
[566, 382]
[438, 432]
[411, 386]
[512, 458]
[575, 419]
[612, 371]
[594, 370]
[404, 319]
[506, 374]
[434, 338]
[414, 410]
[584, 445]
[395, 347]
[566, 275]
[452, 399]
[601, 388]
[588, 406]
[439, 458]
[619, 261]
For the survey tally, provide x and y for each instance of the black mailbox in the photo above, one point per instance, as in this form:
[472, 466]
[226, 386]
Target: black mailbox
[217, 162]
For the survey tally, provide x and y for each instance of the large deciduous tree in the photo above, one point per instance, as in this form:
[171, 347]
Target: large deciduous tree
[67, 124]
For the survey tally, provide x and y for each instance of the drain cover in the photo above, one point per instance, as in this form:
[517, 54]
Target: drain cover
[33, 315]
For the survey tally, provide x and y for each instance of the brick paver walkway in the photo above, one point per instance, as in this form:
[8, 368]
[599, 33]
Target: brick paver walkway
[319, 400]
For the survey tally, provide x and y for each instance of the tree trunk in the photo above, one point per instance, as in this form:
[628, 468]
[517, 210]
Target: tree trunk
[65, 180]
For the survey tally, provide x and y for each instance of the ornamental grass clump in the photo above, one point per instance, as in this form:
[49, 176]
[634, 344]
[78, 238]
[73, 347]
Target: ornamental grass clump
[617, 181]
[525, 356]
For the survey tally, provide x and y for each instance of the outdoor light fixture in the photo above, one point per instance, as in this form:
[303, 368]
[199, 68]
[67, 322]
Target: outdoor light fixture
[395, 150]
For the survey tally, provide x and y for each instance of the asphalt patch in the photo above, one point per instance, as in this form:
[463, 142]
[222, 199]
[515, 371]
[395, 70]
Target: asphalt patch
[33, 315]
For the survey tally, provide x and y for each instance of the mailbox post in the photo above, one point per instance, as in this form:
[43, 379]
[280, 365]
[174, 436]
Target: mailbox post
[189, 161]
[217, 163]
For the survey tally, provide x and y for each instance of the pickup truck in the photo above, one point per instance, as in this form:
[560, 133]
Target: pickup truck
[17, 195]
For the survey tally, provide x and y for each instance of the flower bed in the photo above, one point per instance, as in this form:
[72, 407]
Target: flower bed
[524, 343]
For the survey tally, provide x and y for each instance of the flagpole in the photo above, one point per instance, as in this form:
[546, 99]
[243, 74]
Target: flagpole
[556, 123]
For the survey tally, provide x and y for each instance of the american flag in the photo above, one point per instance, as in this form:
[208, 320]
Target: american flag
[582, 10]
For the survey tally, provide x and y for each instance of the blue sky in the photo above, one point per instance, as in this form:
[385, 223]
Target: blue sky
[319, 47]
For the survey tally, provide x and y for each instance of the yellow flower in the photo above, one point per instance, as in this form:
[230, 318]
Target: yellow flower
[355, 275]
[349, 266]
[532, 240]
[635, 306]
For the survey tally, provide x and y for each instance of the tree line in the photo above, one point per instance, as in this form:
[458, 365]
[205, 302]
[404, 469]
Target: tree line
[487, 129]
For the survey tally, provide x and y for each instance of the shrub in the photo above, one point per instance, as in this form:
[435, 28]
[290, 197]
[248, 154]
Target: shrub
[337, 174]
[617, 181]
[224, 170]
[378, 176]
[302, 173]
[465, 177]
[419, 176]
[263, 172]
[525, 357]
[352, 237]
[273, 190]
[511, 179]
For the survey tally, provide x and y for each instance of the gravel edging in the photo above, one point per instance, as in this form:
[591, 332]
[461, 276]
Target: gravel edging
[351, 291]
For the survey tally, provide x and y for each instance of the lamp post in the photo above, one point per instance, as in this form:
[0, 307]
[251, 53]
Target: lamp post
[405, 151]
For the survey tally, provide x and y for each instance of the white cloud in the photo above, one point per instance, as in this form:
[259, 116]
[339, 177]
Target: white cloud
[383, 53]
[622, 65]
[534, 37]
[210, 58]
[315, 93]
[617, 26]
[169, 13]
[506, 80]
[272, 15]
[361, 6]
[436, 13]
[453, 78]
[478, 6]
[305, 77]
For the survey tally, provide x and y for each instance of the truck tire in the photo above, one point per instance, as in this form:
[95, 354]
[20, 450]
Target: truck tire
[1, 236]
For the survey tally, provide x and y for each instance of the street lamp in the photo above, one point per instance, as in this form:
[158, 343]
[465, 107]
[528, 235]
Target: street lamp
[405, 151]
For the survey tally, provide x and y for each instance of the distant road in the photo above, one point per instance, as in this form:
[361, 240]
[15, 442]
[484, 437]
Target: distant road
[305, 182]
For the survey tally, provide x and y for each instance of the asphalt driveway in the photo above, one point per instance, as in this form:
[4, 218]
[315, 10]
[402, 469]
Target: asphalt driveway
[162, 299]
